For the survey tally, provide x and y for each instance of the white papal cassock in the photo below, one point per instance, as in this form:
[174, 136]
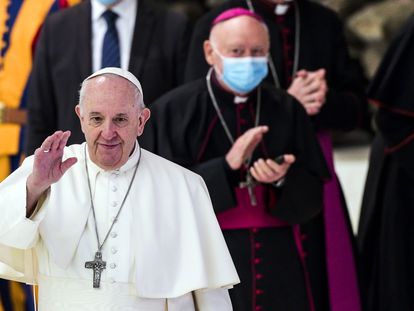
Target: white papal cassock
[165, 249]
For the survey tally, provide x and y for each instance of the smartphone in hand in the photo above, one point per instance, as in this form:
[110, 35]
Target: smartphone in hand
[280, 159]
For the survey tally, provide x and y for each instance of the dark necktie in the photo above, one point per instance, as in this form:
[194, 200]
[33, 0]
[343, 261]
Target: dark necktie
[110, 48]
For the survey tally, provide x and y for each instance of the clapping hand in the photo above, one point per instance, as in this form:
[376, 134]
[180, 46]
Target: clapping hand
[269, 171]
[244, 146]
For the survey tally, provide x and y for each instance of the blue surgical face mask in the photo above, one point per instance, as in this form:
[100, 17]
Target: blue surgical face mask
[243, 74]
[108, 2]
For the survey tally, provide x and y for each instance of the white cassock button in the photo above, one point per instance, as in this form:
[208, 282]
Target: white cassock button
[113, 265]
[114, 203]
[111, 280]
[113, 218]
[114, 234]
[114, 188]
[114, 250]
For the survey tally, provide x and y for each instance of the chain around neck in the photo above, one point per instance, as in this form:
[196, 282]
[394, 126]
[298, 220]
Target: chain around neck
[220, 115]
[100, 245]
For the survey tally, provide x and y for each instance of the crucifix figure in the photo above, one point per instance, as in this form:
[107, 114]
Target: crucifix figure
[98, 265]
[249, 184]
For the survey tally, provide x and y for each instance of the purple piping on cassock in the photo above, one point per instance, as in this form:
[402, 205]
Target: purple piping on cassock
[341, 269]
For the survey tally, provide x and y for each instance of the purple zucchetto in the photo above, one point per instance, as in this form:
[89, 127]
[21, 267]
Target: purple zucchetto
[233, 13]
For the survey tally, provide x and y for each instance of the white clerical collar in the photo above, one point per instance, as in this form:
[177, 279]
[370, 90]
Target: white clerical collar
[240, 99]
[126, 9]
[281, 9]
[94, 169]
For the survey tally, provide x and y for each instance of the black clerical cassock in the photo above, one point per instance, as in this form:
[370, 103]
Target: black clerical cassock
[386, 232]
[271, 260]
[309, 36]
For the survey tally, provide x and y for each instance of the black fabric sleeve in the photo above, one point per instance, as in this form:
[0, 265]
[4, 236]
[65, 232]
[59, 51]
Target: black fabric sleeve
[217, 175]
[301, 197]
[398, 133]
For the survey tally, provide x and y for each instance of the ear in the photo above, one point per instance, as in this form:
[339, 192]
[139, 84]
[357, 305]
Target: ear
[78, 113]
[208, 52]
[143, 118]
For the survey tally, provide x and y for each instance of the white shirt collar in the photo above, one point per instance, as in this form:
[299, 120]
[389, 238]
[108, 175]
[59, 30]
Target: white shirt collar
[125, 24]
[281, 9]
[126, 9]
[240, 99]
[94, 169]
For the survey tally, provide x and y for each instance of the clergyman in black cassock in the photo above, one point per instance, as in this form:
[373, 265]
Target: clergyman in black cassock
[307, 39]
[386, 232]
[269, 253]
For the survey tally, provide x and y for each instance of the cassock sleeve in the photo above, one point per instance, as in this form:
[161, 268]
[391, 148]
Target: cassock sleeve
[220, 181]
[398, 133]
[301, 196]
[391, 90]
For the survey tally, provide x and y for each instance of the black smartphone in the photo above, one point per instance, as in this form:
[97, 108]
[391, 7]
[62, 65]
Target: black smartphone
[280, 159]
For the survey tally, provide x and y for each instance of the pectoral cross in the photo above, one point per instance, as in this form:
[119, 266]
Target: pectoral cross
[249, 184]
[98, 265]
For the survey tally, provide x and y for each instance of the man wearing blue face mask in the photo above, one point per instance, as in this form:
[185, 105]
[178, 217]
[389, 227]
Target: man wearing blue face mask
[242, 74]
[258, 154]
[134, 35]
[309, 59]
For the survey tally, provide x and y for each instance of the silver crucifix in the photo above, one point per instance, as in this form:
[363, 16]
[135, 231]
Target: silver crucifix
[249, 184]
[98, 265]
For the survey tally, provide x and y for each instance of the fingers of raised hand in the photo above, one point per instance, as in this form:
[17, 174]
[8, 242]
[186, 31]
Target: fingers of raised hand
[64, 140]
[55, 142]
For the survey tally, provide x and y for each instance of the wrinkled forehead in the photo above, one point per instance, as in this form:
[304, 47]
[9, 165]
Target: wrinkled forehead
[110, 92]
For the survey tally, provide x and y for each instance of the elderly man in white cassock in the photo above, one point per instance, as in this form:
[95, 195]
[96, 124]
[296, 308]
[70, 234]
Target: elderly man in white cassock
[106, 225]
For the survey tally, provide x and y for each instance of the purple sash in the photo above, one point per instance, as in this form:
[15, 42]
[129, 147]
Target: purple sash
[342, 276]
[246, 216]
